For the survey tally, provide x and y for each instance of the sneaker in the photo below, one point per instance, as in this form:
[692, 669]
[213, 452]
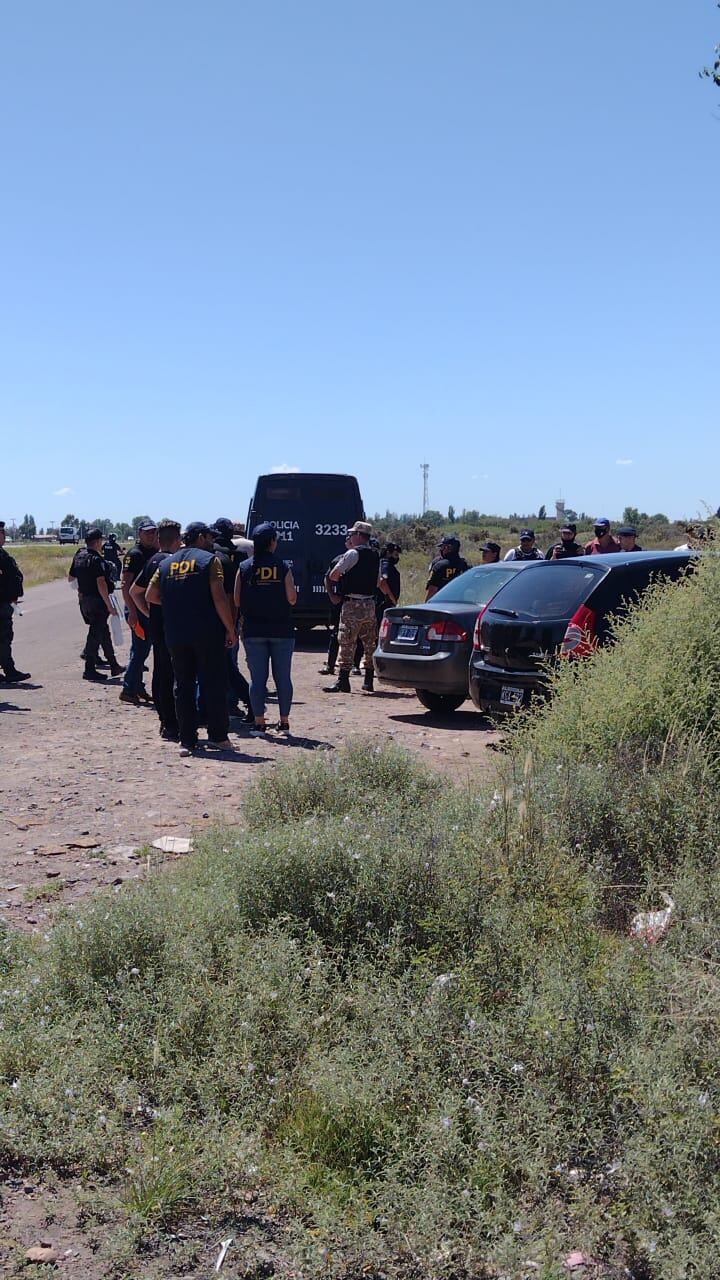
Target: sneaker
[327, 670]
[282, 730]
[188, 750]
[225, 745]
[98, 676]
[144, 696]
[16, 676]
[132, 698]
[117, 670]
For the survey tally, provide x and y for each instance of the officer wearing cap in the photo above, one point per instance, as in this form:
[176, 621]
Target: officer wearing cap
[490, 552]
[448, 565]
[11, 590]
[526, 549]
[231, 557]
[163, 676]
[627, 537]
[357, 573]
[198, 625]
[603, 542]
[133, 690]
[94, 579]
[567, 546]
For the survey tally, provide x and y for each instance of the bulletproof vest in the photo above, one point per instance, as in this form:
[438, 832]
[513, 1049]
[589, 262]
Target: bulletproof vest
[84, 567]
[534, 554]
[189, 614]
[262, 589]
[362, 579]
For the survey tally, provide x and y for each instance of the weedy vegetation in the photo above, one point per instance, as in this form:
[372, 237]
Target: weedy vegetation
[414, 1013]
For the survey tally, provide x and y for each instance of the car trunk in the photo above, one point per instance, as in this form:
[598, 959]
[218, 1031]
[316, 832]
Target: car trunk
[520, 644]
[418, 628]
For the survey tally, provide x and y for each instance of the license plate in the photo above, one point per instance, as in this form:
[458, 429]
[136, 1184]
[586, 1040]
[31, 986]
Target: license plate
[408, 634]
[511, 695]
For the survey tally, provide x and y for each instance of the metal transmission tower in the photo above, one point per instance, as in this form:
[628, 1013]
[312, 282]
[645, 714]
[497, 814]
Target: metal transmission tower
[425, 467]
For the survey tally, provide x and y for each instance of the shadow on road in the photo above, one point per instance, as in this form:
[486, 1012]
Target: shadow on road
[11, 706]
[458, 722]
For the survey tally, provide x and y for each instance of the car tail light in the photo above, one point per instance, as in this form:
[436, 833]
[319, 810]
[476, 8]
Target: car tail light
[384, 630]
[580, 639]
[476, 632]
[445, 629]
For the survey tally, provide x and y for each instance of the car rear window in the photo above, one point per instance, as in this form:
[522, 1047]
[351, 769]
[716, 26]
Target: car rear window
[476, 586]
[553, 590]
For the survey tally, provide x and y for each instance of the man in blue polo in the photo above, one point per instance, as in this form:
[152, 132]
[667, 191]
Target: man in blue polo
[199, 625]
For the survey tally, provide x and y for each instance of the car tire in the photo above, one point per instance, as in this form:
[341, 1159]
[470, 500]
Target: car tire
[443, 704]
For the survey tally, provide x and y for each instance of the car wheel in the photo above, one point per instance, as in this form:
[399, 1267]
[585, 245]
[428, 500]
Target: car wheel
[443, 704]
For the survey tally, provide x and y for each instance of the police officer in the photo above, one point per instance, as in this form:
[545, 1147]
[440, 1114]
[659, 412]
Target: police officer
[567, 546]
[526, 549]
[111, 553]
[265, 594]
[133, 690]
[358, 572]
[335, 606]
[627, 537]
[490, 552]
[94, 583]
[448, 565]
[231, 557]
[388, 592]
[11, 590]
[163, 677]
[198, 625]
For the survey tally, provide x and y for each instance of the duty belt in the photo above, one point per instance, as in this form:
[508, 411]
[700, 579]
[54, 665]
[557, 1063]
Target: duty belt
[351, 597]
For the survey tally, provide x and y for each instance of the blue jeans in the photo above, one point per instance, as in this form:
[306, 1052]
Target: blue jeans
[261, 653]
[139, 650]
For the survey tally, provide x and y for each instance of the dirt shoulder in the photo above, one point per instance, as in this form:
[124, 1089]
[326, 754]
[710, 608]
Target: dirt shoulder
[86, 781]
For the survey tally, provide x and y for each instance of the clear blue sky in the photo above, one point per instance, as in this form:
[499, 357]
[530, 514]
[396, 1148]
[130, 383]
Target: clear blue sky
[352, 236]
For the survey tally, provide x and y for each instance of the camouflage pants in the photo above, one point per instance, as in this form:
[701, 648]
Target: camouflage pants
[357, 620]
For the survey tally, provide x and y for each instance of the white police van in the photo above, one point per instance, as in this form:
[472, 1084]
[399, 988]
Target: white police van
[312, 512]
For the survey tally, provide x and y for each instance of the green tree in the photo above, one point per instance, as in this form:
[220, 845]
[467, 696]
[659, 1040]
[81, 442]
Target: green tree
[433, 518]
[631, 515]
[70, 519]
[659, 518]
[28, 528]
[104, 525]
[451, 515]
[542, 512]
[123, 530]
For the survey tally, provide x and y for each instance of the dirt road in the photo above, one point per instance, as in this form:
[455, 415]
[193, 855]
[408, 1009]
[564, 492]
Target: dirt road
[86, 781]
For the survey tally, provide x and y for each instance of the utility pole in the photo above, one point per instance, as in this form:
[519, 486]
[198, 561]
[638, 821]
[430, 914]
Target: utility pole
[425, 467]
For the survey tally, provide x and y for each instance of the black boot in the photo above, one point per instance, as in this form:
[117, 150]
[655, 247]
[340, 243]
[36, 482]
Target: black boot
[91, 673]
[367, 684]
[342, 684]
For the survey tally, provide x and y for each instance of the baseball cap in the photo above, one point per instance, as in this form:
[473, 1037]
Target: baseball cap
[526, 533]
[490, 546]
[450, 540]
[224, 525]
[361, 526]
[569, 528]
[602, 520]
[627, 531]
[194, 529]
[393, 546]
[264, 530]
[146, 525]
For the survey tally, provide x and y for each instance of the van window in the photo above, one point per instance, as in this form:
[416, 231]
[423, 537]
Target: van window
[552, 590]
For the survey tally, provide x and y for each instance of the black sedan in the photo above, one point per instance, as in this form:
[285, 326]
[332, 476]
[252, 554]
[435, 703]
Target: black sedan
[426, 647]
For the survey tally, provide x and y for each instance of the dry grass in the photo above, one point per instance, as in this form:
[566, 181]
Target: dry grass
[42, 562]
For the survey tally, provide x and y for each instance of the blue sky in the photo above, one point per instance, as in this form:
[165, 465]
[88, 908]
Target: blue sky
[353, 237]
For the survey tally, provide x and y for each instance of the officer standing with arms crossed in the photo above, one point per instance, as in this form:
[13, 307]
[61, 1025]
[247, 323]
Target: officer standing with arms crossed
[11, 590]
[133, 690]
[358, 570]
[448, 565]
[199, 625]
[163, 676]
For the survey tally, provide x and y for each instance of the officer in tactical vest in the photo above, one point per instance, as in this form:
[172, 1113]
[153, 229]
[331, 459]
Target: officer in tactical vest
[448, 565]
[11, 590]
[265, 594]
[163, 676]
[94, 583]
[198, 626]
[133, 690]
[358, 572]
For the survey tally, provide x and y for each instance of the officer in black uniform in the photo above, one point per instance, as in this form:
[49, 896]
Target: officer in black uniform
[231, 557]
[198, 626]
[163, 676]
[567, 546]
[388, 592]
[448, 565]
[111, 553]
[11, 590]
[490, 552]
[133, 690]
[89, 569]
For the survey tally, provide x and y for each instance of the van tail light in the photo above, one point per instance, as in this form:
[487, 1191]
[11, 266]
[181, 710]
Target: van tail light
[476, 632]
[446, 630]
[384, 630]
[581, 637]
